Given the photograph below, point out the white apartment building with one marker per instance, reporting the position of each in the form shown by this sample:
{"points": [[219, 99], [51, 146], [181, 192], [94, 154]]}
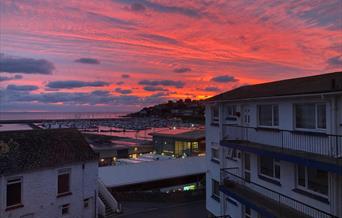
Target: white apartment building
{"points": [[47, 174], [275, 149]]}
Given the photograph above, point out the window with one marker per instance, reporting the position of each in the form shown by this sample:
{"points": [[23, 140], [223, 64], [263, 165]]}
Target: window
{"points": [[230, 113], [232, 153], [13, 192], [247, 167], [312, 180], [310, 116], [268, 115], [195, 147], [65, 209], [269, 167], [215, 190], [247, 212], [63, 182], [215, 154], [214, 114], [86, 202]]}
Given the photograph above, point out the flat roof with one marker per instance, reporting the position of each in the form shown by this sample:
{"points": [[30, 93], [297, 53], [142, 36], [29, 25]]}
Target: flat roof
{"points": [[14, 127], [182, 133]]}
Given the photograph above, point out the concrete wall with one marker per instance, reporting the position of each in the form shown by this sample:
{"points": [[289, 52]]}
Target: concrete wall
{"points": [[39, 191], [121, 175]]}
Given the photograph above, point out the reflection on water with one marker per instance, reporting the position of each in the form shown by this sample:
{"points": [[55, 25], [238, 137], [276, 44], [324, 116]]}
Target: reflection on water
{"points": [[58, 115]]}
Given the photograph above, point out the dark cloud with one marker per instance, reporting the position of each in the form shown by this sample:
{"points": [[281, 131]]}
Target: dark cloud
{"points": [[224, 79], [158, 38], [70, 98], [7, 78], [156, 98], [325, 15], [88, 61], [125, 76], [112, 21], [154, 89], [335, 61], [177, 84], [123, 91], [211, 89], [137, 7], [156, 6], [9, 98], [22, 87], [120, 83], [182, 70], [25, 65], [70, 84]]}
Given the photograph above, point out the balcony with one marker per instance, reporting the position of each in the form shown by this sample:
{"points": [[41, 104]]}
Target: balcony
{"points": [[266, 202], [319, 150]]}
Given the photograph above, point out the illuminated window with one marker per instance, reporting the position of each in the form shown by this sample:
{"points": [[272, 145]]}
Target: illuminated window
{"points": [[195, 147]]}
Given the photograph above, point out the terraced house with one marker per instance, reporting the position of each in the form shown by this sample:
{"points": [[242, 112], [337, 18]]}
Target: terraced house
{"points": [[275, 149], [47, 173]]}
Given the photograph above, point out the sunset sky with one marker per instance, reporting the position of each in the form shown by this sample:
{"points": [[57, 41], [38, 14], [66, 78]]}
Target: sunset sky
{"points": [[122, 55]]}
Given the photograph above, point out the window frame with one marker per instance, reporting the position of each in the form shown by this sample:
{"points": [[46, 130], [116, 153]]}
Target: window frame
{"points": [[232, 154], [86, 202], [247, 214], [216, 159], [230, 113], [273, 120], [65, 206], [14, 180], [306, 187], [276, 163], [63, 172], [316, 128], [214, 119], [214, 195]]}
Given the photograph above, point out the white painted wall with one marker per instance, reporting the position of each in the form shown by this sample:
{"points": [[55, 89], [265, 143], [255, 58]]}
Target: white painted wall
{"points": [[39, 191], [286, 122], [213, 171], [114, 176]]}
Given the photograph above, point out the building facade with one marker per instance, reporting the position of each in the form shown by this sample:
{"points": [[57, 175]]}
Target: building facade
{"points": [[275, 149], [179, 142], [47, 173]]}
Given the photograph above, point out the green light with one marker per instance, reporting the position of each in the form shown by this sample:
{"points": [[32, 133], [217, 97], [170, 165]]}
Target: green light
{"points": [[189, 188]]}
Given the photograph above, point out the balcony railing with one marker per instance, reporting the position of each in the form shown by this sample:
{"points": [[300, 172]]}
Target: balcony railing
{"points": [[312, 142], [232, 175]]}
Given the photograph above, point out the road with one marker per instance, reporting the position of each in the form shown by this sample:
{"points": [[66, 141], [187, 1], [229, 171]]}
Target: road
{"points": [[164, 210]]}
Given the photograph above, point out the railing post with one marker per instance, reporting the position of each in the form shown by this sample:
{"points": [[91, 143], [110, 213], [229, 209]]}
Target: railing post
{"points": [[282, 140], [336, 146]]}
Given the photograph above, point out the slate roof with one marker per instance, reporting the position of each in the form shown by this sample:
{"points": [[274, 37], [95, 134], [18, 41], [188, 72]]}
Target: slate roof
{"points": [[191, 135], [324, 83], [34, 149]]}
